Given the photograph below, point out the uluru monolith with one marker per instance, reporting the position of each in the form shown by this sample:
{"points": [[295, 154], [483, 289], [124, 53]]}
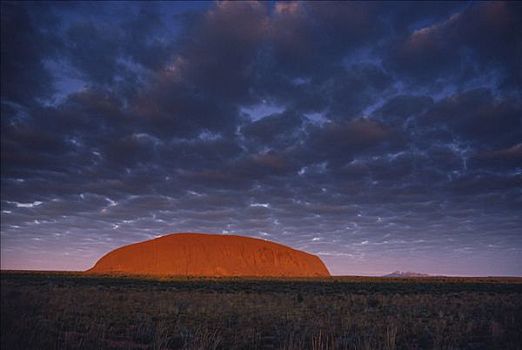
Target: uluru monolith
{"points": [[209, 255]]}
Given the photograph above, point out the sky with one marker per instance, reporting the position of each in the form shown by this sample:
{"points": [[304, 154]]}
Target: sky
{"points": [[380, 136]]}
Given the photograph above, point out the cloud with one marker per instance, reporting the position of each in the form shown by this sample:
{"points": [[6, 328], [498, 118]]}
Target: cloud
{"points": [[512, 152], [24, 49], [465, 44], [278, 130], [339, 142], [397, 125], [504, 158], [477, 116]]}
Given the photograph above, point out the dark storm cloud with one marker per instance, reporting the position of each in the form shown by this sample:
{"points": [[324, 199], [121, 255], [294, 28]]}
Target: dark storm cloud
{"points": [[477, 116], [478, 38], [118, 52], [374, 134], [25, 45], [337, 143], [278, 129]]}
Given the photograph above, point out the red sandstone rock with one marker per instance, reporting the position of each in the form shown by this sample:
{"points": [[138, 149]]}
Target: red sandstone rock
{"points": [[194, 254]]}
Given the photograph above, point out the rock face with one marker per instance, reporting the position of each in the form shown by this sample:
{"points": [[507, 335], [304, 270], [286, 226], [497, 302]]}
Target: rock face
{"points": [[195, 254], [406, 274]]}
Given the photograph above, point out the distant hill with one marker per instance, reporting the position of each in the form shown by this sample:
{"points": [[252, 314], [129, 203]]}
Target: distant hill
{"points": [[406, 274], [191, 254]]}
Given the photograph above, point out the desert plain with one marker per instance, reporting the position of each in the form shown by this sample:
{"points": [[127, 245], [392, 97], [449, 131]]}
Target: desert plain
{"points": [[58, 310]]}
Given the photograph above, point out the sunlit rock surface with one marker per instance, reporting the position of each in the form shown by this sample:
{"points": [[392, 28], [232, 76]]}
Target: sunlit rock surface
{"points": [[195, 254]]}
